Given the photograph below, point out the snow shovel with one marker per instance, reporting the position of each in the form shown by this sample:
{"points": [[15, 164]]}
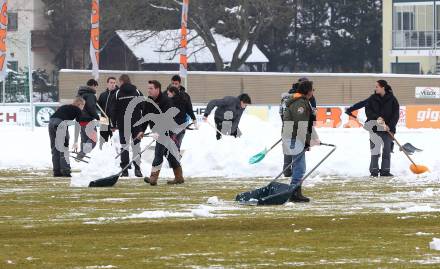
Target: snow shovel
{"points": [[277, 193], [111, 180], [415, 168], [260, 156]]}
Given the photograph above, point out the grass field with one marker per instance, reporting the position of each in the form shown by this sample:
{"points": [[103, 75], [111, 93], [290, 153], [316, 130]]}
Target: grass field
{"points": [[350, 223]]}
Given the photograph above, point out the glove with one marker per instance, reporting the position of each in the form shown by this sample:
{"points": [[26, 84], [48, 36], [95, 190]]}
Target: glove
{"points": [[75, 147]]}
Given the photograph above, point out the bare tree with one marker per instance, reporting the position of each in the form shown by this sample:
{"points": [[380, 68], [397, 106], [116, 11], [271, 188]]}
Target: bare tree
{"points": [[243, 20]]}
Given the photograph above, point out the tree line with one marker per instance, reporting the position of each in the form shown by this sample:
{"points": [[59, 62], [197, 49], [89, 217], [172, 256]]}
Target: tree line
{"points": [[295, 35]]}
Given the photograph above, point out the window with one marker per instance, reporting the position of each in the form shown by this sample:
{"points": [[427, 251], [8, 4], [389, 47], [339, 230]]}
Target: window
{"points": [[12, 21], [405, 21], [405, 68]]}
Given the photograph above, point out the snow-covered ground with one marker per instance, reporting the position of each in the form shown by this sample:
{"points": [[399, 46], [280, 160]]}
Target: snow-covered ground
{"points": [[204, 156]]}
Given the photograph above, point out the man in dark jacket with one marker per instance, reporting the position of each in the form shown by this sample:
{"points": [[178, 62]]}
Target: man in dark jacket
{"points": [[105, 101], [59, 138], [383, 113], [298, 135], [87, 120], [162, 124], [285, 97], [185, 108], [128, 133], [228, 114], [176, 81]]}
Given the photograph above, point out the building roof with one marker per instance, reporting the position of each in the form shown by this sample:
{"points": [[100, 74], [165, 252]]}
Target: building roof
{"points": [[160, 47]]}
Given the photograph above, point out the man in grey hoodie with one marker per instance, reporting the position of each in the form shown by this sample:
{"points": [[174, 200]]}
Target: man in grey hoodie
{"points": [[228, 114]]}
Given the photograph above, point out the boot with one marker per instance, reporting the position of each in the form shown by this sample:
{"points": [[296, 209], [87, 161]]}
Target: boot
{"points": [[297, 196], [124, 173], [137, 172], [386, 174], [178, 176], [152, 180]]}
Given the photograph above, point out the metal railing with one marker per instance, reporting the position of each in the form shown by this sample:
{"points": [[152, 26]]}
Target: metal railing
{"points": [[409, 39]]}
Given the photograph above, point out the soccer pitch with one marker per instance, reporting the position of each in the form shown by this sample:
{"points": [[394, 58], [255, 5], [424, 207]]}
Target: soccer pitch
{"points": [[350, 223]]}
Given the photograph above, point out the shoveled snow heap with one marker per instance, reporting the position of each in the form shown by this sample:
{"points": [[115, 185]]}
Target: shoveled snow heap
{"points": [[435, 244], [204, 156]]}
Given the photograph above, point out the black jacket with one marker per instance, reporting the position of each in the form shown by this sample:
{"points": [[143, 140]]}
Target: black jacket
{"points": [[180, 102], [227, 104], [162, 101], [187, 99], [89, 112], [386, 107], [122, 99], [106, 100], [67, 112]]}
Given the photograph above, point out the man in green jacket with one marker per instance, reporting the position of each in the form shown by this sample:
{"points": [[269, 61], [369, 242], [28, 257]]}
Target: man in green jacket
{"points": [[299, 135]]}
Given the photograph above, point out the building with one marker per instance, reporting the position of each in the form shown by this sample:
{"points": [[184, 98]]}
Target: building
{"points": [[411, 36], [26, 17], [144, 50]]}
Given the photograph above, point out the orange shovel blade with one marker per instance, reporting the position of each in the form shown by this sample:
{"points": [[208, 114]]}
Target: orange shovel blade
{"points": [[418, 169]]}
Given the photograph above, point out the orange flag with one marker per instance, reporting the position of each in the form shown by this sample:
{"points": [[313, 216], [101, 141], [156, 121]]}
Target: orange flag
{"points": [[3, 31], [184, 40], [94, 39]]}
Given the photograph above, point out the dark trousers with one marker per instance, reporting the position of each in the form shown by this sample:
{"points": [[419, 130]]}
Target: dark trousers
{"points": [[88, 142], [383, 143], [219, 126], [287, 163], [159, 152], [106, 133], [179, 139], [125, 155], [60, 159]]}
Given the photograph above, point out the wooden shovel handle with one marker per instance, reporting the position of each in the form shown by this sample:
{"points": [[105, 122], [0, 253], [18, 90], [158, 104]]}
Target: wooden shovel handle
{"points": [[400, 146]]}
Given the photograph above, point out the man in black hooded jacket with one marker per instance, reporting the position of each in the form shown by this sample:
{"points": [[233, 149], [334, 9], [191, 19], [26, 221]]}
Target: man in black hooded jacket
{"points": [[127, 131], [86, 121], [105, 101], [383, 113]]}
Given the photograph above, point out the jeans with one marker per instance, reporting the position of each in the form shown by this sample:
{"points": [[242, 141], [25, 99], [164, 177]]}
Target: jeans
{"points": [[298, 161], [385, 143], [161, 151]]}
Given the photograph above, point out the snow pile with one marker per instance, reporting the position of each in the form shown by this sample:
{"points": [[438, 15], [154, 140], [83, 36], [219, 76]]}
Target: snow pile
{"points": [[204, 156], [101, 164], [435, 244], [214, 201]]}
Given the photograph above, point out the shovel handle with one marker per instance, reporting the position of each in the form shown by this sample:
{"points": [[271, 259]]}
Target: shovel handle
{"points": [[400, 146], [274, 145]]}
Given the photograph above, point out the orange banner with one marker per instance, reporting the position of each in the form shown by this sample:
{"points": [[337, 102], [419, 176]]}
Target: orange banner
{"points": [[94, 39], [3, 31], [184, 40], [423, 116]]}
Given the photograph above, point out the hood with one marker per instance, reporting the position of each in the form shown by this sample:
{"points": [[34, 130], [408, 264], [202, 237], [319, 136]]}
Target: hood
{"points": [[85, 89], [128, 88], [294, 98]]}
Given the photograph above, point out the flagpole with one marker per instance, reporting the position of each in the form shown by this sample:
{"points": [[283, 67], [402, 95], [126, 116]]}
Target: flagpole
{"points": [[183, 70], [31, 89]]}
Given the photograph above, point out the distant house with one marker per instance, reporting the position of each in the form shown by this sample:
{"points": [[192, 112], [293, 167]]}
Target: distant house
{"points": [[132, 50]]}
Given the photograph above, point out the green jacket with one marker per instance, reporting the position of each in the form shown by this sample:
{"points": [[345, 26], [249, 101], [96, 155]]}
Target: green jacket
{"points": [[298, 115]]}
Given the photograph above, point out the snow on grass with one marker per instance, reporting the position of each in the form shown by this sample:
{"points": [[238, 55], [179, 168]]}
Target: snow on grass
{"points": [[435, 244]]}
